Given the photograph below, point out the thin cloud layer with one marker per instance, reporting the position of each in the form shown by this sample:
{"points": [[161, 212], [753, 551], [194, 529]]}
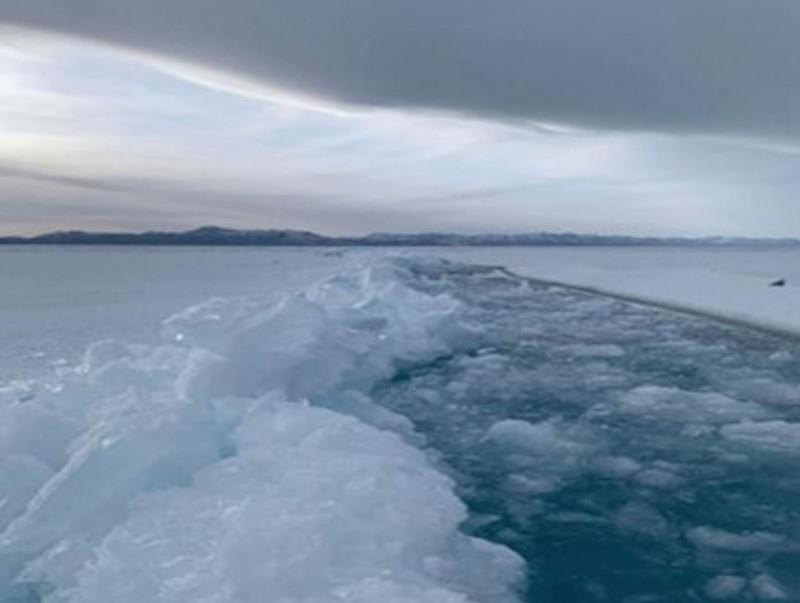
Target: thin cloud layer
{"points": [[706, 66], [97, 137]]}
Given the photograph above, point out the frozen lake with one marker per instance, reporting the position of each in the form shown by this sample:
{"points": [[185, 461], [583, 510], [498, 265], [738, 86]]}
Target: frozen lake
{"points": [[409, 430], [55, 301], [731, 282]]}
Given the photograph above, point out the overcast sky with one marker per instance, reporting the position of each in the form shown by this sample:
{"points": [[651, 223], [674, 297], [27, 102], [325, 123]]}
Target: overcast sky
{"points": [[665, 117]]}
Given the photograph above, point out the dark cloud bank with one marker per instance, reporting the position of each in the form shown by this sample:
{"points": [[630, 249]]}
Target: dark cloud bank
{"points": [[707, 66]]}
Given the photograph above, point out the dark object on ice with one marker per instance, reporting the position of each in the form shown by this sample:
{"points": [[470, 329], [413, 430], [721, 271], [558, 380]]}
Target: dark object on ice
{"points": [[778, 283]]}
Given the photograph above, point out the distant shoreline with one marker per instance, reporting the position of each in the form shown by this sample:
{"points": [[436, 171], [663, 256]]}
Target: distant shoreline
{"points": [[212, 236]]}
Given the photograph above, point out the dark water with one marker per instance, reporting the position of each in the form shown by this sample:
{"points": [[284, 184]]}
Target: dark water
{"points": [[649, 456]]}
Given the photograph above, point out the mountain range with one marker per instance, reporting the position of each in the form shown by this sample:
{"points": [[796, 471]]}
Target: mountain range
{"points": [[214, 235]]}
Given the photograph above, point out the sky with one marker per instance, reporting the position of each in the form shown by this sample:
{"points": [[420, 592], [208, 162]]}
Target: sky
{"points": [[644, 117]]}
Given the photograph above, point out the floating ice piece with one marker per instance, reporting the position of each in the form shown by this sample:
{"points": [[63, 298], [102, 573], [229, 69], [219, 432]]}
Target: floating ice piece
{"points": [[559, 442], [521, 484], [592, 350], [616, 466], [767, 391], [725, 586], [713, 538], [659, 478], [767, 588], [672, 404], [641, 518], [772, 436]]}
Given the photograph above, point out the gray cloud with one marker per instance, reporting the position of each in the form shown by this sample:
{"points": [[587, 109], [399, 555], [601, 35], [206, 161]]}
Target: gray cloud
{"points": [[710, 66], [92, 184]]}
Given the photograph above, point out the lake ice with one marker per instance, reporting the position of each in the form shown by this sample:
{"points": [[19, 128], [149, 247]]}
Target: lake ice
{"points": [[347, 426]]}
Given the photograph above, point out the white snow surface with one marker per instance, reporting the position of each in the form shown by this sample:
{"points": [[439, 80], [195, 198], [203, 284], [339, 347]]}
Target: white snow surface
{"points": [[732, 283], [239, 461]]}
